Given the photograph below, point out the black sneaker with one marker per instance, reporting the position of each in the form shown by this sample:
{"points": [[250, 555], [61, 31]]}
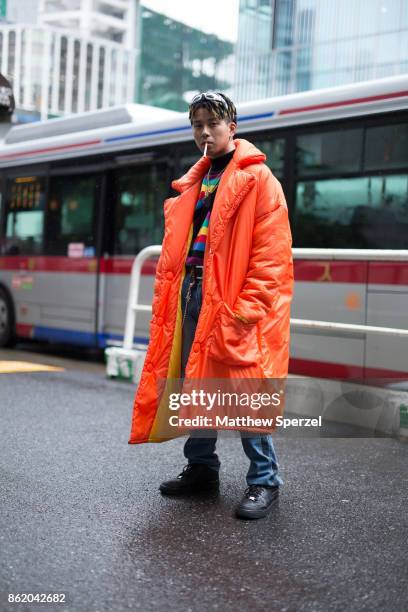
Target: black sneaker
{"points": [[194, 478], [257, 501]]}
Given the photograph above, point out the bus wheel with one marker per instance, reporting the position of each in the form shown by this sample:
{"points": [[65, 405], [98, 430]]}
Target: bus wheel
{"points": [[7, 330]]}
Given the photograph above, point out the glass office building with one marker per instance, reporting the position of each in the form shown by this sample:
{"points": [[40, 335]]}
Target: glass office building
{"points": [[180, 62], [285, 46]]}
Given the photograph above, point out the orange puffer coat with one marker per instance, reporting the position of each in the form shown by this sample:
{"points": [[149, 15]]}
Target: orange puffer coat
{"points": [[248, 269]]}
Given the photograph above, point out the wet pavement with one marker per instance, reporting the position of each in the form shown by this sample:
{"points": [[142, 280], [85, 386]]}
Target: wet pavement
{"points": [[81, 513]]}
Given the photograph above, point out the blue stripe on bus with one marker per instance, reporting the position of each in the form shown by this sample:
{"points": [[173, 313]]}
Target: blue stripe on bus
{"points": [[70, 336], [103, 339], [259, 116], [73, 336], [153, 133], [181, 129]]}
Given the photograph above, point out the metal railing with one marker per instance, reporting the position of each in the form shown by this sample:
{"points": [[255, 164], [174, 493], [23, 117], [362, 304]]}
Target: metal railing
{"points": [[133, 306], [297, 324], [352, 254]]}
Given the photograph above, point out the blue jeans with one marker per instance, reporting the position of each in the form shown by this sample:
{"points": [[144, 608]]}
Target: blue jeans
{"points": [[263, 468]]}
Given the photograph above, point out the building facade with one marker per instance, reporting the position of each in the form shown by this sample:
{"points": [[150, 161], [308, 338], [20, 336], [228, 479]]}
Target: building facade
{"points": [[111, 20], [79, 56], [285, 46]]}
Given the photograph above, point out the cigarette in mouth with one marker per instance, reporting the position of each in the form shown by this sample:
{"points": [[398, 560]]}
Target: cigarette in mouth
{"points": [[205, 149]]}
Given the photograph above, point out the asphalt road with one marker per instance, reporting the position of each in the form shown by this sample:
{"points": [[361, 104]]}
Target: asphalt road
{"points": [[81, 513]]}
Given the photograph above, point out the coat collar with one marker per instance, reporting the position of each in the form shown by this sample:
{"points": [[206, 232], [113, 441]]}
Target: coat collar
{"points": [[245, 154], [232, 189]]}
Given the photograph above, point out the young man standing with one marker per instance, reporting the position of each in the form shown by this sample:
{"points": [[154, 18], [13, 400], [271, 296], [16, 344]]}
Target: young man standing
{"points": [[227, 258]]}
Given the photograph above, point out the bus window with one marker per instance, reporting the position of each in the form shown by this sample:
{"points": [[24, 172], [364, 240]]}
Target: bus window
{"points": [[386, 147], [140, 192], [71, 215], [358, 213], [24, 216], [274, 149], [329, 152]]}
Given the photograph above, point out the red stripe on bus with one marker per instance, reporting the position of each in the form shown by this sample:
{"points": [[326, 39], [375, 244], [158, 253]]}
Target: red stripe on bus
{"points": [[330, 271], [388, 273], [49, 264], [375, 373], [48, 149], [325, 369], [302, 109], [371, 272], [82, 265], [24, 331], [124, 266]]}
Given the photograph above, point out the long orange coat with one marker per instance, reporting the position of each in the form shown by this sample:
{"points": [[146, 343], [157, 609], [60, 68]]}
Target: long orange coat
{"points": [[248, 269]]}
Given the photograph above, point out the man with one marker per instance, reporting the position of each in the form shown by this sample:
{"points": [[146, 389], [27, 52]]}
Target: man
{"points": [[221, 305]]}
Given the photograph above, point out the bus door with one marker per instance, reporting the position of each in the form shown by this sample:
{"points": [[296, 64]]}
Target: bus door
{"points": [[68, 298], [137, 189]]}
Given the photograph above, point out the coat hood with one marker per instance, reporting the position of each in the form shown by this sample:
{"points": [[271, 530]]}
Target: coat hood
{"points": [[245, 154]]}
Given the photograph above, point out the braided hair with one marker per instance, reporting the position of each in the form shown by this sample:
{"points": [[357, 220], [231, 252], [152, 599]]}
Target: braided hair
{"points": [[216, 108]]}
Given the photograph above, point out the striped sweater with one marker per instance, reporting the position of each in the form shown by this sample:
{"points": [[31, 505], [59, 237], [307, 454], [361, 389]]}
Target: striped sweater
{"points": [[203, 209]]}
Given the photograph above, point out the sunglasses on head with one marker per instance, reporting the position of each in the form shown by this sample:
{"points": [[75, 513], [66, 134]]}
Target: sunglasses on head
{"points": [[209, 95]]}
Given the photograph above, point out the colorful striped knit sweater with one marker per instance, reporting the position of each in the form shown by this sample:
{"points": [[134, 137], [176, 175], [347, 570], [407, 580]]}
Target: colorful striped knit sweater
{"points": [[203, 209]]}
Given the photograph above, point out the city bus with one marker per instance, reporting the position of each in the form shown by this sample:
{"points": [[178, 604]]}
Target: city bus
{"points": [[81, 196]]}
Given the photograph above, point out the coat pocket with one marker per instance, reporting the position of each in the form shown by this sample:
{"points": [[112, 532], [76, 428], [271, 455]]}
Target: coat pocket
{"points": [[233, 342]]}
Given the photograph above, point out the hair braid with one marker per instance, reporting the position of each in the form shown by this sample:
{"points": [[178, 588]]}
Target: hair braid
{"points": [[215, 107]]}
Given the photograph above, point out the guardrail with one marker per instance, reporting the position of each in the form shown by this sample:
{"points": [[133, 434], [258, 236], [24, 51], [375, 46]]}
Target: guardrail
{"points": [[354, 254], [133, 306], [302, 253]]}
